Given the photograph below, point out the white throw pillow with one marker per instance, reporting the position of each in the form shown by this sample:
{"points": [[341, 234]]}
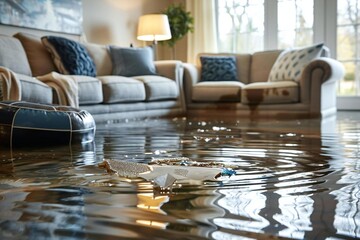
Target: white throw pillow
{"points": [[290, 63]]}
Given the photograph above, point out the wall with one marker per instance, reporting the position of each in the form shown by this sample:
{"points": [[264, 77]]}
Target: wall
{"points": [[10, 30], [114, 22]]}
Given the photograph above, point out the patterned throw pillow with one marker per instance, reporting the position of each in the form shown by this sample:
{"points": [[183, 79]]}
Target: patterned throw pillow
{"points": [[130, 62], [70, 57], [290, 63], [218, 68]]}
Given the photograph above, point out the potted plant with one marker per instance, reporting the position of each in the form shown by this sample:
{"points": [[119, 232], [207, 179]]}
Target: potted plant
{"points": [[181, 22]]}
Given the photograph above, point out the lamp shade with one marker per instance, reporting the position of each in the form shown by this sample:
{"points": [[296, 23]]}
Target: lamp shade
{"points": [[154, 27]]}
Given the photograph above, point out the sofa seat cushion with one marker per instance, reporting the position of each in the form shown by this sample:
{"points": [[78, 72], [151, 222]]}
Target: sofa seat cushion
{"points": [[33, 90], [159, 88], [90, 89], [121, 89], [270, 92], [223, 91]]}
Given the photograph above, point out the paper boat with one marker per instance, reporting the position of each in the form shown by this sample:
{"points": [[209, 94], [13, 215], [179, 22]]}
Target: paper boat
{"points": [[164, 175]]}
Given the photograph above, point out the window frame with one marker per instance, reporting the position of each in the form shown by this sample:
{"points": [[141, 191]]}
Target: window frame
{"points": [[324, 30]]}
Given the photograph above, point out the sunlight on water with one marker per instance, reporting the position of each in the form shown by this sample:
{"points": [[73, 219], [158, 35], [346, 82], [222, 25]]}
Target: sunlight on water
{"points": [[294, 179]]}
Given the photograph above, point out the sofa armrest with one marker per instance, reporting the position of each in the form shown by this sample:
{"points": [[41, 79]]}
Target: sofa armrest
{"points": [[191, 73], [174, 70], [331, 70], [191, 77], [318, 83], [170, 69]]}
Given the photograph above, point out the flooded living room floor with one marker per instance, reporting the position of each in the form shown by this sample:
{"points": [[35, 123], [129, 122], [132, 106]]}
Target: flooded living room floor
{"points": [[295, 179]]}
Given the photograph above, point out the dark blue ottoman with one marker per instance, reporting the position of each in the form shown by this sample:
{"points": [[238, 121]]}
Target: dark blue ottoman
{"points": [[24, 123]]}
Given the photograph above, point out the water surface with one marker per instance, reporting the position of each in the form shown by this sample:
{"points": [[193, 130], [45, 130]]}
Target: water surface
{"points": [[295, 179]]}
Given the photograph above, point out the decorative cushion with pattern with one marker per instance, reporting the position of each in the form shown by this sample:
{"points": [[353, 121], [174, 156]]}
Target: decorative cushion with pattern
{"points": [[70, 57], [131, 62], [218, 68], [290, 63]]}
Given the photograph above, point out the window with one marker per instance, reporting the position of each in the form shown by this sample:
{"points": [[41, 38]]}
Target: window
{"points": [[295, 23], [247, 26], [348, 45], [240, 25]]}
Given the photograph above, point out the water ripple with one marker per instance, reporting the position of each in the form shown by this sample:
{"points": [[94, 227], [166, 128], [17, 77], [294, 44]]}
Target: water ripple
{"points": [[294, 179]]}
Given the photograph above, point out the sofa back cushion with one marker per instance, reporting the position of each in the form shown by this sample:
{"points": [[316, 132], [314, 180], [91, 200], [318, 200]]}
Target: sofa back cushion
{"points": [[243, 62], [261, 64], [13, 56], [101, 57], [39, 58]]}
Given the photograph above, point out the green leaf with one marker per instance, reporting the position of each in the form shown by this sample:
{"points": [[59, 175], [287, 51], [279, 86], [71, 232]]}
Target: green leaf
{"points": [[181, 22]]}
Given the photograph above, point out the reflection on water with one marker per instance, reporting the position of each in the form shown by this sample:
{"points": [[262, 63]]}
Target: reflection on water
{"points": [[295, 179]]}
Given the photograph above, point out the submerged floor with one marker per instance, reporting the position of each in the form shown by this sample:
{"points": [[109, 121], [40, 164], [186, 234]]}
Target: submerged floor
{"points": [[297, 179]]}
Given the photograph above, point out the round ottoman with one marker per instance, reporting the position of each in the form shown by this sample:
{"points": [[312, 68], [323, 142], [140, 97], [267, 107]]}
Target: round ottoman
{"points": [[24, 123]]}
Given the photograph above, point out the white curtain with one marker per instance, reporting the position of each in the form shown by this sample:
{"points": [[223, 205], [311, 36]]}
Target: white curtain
{"points": [[203, 39]]}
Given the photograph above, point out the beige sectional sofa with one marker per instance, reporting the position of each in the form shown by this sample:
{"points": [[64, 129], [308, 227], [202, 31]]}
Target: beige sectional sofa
{"points": [[255, 94], [29, 72]]}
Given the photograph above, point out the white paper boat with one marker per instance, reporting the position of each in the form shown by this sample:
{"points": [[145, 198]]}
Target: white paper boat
{"points": [[162, 175]]}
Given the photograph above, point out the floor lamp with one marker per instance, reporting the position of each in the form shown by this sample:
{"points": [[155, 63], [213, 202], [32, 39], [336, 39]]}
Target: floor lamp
{"points": [[154, 27]]}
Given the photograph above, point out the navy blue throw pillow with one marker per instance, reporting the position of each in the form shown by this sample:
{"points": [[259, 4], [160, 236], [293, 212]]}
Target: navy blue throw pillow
{"points": [[70, 57], [131, 61], [218, 68]]}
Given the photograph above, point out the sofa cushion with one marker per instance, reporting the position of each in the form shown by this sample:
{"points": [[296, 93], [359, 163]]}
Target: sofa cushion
{"points": [[33, 90], [243, 63], [218, 68], [229, 91], [90, 90], [290, 63], [122, 89], [261, 64], [270, 92], [130, 62], [39, 58], [13, 56], [70, 57], [159, 88], [101, 57]]}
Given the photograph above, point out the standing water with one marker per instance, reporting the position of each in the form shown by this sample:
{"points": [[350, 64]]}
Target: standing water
{"points": [[295, 179]]}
